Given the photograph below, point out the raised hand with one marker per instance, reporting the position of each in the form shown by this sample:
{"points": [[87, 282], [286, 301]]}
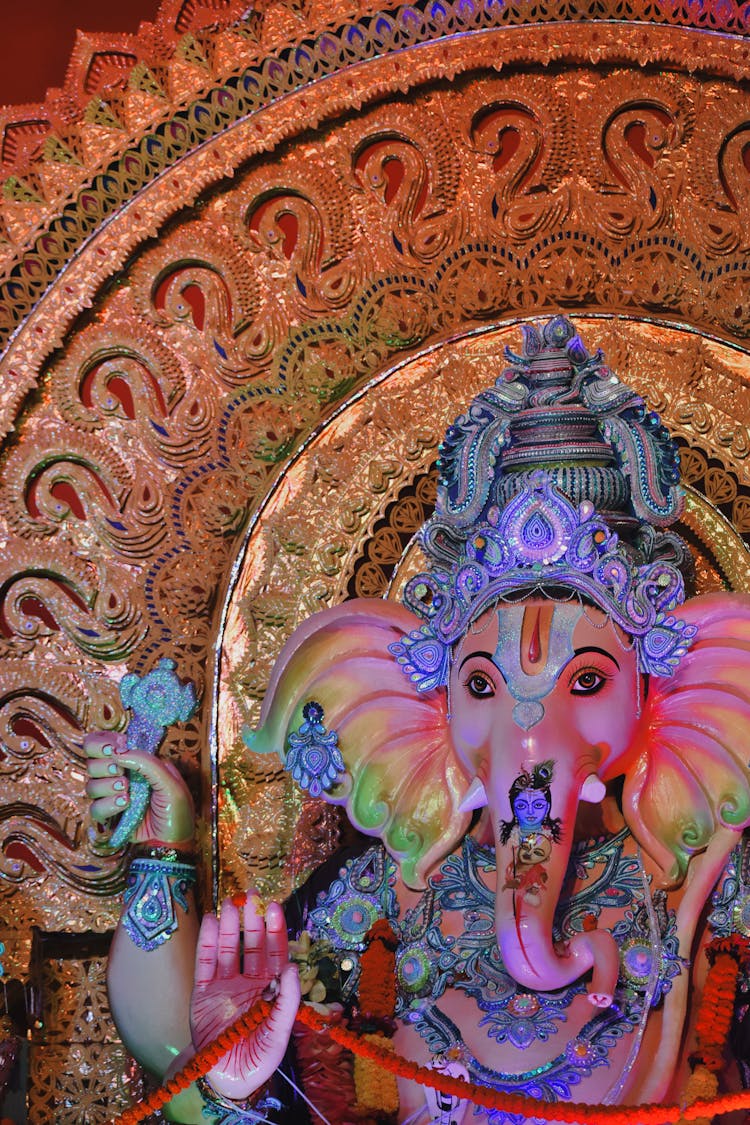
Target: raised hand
{"points": [[224, 989], [169, 818]]}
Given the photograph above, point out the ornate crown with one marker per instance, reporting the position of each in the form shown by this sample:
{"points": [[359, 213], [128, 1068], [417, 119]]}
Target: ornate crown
{"points": [[556, 479]]}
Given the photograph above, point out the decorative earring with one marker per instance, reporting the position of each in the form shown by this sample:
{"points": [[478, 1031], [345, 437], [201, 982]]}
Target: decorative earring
{"points": [[313, 757]]}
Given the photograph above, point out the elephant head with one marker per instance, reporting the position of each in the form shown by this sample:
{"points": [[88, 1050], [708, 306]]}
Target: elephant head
{"points": [[546, 706], [546, 650]]}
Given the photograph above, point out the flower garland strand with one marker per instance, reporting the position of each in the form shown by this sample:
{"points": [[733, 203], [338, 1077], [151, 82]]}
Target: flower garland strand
{"points": [[200, 1064], [377, 1091], [571, 1113], [725, 956]]}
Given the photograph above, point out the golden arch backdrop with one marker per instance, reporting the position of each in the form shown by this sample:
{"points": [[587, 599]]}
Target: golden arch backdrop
{"points": [[253, 264]]}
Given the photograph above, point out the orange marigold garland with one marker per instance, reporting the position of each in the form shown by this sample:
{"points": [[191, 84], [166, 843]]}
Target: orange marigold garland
{"points": [[376, 1089], [569, 1112], [714, 1015], [726, 957], [199, 1065]]}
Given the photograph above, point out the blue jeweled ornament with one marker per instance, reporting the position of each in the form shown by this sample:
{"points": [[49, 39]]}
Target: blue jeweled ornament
{"points": [[430, 961], [156, 700], [730, 905], [313, 757], [152, 889], [541, 539], [556, 478]]}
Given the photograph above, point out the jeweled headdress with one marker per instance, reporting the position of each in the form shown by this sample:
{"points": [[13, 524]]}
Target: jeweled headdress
{"points": [[558, 478]]}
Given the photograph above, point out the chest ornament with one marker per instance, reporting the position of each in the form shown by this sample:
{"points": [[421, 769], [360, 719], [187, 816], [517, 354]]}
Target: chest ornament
{"points": [[447, 941]]}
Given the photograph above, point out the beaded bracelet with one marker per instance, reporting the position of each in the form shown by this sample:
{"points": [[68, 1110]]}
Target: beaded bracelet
{"points": [[230, 1112]]}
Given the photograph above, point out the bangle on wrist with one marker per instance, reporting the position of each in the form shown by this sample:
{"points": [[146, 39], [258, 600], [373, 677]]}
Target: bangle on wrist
{"points": [[249, 1110], [154, 885], [170, 852]]}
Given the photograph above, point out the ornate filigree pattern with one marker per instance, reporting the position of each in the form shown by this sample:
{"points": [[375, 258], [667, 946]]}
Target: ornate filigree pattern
{"points": [[78, 1072], [658, 162], [196, 285]]}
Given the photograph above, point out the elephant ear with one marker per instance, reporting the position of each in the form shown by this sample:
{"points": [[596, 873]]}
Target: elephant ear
{"points": [[690, 776], [404, 782]]}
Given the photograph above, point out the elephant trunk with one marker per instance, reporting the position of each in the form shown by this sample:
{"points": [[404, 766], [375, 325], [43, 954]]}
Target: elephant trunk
{"points": [[532, 860]]}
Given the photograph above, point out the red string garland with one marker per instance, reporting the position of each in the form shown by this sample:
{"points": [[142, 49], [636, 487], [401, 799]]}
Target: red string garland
{"points": [[725, 956]]}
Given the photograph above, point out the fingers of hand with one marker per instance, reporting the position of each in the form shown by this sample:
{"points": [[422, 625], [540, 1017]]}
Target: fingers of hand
{"points": [[108, 787], [288, 1000], [103, 767], [110, 795], [254, 964], [275, 1031], [111, 748], [104, 744], [228, 956], [277, 945], [206, 952], [163, 778]]}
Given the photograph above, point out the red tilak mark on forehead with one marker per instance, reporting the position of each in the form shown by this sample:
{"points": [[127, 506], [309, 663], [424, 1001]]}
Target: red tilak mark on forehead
{"points": [[534, 654]]}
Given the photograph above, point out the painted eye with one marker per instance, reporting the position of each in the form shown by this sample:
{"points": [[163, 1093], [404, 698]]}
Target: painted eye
{"points": [[480, 686], [588, 682]]}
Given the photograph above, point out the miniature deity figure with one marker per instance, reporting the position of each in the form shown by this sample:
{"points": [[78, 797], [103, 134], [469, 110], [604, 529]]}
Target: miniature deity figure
{"points": [[545, 751]]}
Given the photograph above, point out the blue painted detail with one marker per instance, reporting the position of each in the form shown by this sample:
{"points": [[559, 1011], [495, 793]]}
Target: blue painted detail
{"points": [[156, 700]]}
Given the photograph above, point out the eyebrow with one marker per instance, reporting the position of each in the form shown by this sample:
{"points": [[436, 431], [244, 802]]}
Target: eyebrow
{"points": [[480, 652], [601, 651]]}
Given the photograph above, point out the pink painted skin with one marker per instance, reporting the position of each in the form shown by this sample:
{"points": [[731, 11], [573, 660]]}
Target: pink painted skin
{"points": [[578, 735], [411, 769], [227, 985], [169, 818]]}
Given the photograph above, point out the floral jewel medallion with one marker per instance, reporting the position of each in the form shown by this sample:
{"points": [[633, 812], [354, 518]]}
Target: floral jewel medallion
{"points": [[523, 1005], [636, 960]]}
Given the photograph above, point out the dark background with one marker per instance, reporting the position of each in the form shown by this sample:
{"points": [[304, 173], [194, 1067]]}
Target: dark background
{"points": [[37, 39]]}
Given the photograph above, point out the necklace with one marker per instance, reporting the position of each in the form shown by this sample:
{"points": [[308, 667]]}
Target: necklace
{"points": [[602, 875]]}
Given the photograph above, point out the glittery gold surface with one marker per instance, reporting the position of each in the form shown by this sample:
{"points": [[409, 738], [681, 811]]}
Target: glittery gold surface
{"points": [[257, 338], [79, 1074]]}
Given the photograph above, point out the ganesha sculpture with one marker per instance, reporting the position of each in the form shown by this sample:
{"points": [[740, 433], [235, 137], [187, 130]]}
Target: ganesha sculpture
{"points": [[545, 751]]}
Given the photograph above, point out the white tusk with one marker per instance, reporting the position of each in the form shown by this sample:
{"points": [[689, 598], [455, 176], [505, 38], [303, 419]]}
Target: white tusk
{"points": [[593, 789], [475, 797]]}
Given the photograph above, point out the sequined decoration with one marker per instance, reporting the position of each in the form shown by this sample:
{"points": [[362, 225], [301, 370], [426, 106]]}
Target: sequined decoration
{"points": [[154, 886], [156, 700], [428, 961], [503, 523], [158, 387], [313, 757]]}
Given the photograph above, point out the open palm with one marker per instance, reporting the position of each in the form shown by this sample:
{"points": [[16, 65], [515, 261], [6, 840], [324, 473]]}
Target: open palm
{"points": [[227, 985]]}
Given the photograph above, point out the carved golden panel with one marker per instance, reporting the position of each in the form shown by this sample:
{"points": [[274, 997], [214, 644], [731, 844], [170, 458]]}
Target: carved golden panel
{"points": [[246, 289], [79, 1074]]}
